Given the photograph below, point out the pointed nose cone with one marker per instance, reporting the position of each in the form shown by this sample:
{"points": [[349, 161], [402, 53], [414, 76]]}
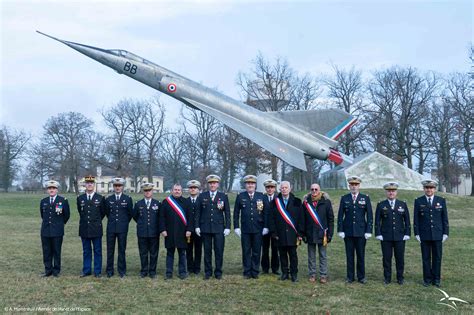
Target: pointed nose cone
{"points": [[103, 56]]}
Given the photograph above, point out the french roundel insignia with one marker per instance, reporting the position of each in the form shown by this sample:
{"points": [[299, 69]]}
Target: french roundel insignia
{"points": [[171, 88]]}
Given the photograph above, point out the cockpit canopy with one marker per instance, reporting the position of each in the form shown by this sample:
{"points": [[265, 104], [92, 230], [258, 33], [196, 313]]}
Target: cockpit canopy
{"points": [[129, 55]]}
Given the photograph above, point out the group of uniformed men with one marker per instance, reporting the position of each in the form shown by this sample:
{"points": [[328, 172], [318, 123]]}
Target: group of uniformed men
{"points": [[265, 223]]}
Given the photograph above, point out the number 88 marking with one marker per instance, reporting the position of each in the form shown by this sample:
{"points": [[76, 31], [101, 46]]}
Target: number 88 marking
{"points": [[129, 67]]}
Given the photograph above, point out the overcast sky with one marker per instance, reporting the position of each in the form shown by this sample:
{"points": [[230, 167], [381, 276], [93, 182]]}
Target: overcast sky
{"points": [[210, 42]]}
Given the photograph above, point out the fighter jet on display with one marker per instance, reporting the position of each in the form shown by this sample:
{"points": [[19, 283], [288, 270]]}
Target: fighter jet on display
{"points": [[290, 135]]}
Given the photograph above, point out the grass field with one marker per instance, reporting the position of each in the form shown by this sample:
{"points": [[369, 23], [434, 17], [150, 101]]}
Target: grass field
{"points": [[21, 264]]}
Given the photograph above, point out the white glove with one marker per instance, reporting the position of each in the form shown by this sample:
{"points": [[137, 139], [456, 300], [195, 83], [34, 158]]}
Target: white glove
{"points": [[198, 231], [406, 237], [379, 237], [237, 231], [445, 237], [265, 231], [341, 234], [418, 238], [367, 235], [226, 232]]}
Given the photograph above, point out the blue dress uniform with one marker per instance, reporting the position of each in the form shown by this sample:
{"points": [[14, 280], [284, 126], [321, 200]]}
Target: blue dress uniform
{"points": [[176, 230], [119, 213], [212, 217], [269, 242], [194, 250], [392, 224], [250, 216], [54, 216], [430, 222], [287, 238], [91, 212], [355, 218], [146, 214]]}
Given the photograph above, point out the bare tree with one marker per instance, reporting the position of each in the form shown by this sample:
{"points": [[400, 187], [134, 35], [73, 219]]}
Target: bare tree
{"points": [[172, 164], [400, 97], [346, 90], [66, 133], [12, 147], [460, 96], [227, 151]]}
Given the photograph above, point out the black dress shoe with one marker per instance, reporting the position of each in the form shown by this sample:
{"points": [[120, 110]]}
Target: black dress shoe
{"points": [[109, 275], [219, 277], [386, 282], [349, 280], [255, 276], [55, 275], [98, 275], [168, 277], [206, 277], [437, 284], [45, 275], [153, 276], [426, 284], [246, 277], [294, 278], [265, 272], [276, 273], [401, 282], [122, 276], [182, 277], [362, 281], [84, 275], [284, 277]]}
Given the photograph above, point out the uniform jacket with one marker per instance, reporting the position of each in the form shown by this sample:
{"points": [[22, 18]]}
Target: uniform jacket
{"points": [[91, 214], [119, 213], [430, 222], [278, 226], [313, 232], [394, 223], [172, 223], [250, 214], [54, 216], [147, 218], [355, 219], [212, 216]]}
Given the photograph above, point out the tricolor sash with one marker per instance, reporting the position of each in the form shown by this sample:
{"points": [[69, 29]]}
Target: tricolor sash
{"points": [[314, 215], [285, 215], [177, 208]]}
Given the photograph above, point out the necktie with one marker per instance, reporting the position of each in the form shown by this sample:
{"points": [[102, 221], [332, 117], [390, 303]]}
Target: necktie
{"points": [[148, 203], [117, 197], [391, 204], [51, 200], [285, 201], [270, 198], [251, 196], [89, 197], [354, 197], [193, 200], [212, 196], [429, 201]]}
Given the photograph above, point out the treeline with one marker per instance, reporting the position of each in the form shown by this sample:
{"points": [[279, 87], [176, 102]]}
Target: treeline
{"points": [[419, 118]]}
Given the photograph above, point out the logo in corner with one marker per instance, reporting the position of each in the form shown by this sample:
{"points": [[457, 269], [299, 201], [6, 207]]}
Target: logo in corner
{"points": [[450, 301]]}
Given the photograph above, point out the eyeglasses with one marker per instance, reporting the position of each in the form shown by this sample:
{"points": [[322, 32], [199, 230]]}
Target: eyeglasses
{"points": [[314, 189]]}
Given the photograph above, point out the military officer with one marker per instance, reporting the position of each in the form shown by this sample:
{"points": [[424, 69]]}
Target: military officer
{"points": [[194, 250], [354, 225], [54, 211], [392, 228], [119, 211], [431, 228], [267, 241], [250, 223], [318, 230], [91, 207], [286, 223], [176, 224], [213, 224], [146, 214]]}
